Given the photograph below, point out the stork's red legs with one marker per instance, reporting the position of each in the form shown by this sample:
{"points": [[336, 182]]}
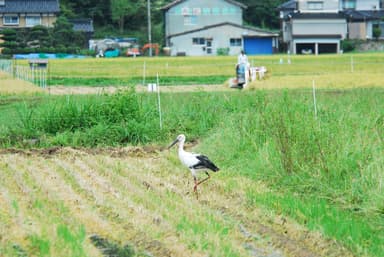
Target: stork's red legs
{"points": [[198, 183]]}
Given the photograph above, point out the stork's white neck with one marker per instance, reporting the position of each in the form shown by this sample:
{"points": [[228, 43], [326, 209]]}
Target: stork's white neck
{"points": [[181, 146]]}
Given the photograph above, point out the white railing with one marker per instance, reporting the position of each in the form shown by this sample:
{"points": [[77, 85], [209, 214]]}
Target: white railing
{"points": [[35, 75], [6, 66]]}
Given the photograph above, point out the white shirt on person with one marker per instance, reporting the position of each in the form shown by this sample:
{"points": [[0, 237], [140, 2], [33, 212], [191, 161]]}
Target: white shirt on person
{"points": [[242, 59]]}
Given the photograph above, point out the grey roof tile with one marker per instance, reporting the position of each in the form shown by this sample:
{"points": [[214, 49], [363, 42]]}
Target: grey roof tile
{"points": [[171, 4], [85, 25], [30, 6]]}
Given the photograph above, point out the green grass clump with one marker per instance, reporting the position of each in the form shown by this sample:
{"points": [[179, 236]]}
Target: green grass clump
{"points": [[118, 119], [332, 161], [94, 120]]}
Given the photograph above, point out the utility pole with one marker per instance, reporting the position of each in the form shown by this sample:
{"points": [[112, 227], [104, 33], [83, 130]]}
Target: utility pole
{"points": [[149, 26]]}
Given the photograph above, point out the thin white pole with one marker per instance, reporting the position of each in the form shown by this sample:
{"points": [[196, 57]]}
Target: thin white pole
{"points": [[314, 97], [158, 101], [144, 73]]}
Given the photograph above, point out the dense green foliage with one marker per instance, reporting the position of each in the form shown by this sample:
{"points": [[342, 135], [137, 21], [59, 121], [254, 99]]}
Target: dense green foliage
{"points": [[40, 39]]}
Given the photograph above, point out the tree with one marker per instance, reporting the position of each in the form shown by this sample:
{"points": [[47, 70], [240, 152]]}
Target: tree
{"points": [[376, 32], [9, 38], [262, 13], [65, 36], [40, 36], [121, 9]]}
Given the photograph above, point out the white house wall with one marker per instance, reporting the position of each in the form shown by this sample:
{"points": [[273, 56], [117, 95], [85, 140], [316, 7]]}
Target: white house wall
{"points": [[319, 27], [328, 6], [367, 4], [176, 17], [220, 39]]}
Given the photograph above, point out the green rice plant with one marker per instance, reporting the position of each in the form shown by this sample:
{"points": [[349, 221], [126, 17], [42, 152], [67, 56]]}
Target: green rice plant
{"points": [[205, 235], [346, 227], [40, 246], [72, 241], [15, 207]]}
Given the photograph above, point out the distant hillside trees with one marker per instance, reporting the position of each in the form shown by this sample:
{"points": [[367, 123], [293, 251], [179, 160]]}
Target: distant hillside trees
{"points": [[129, 17]]}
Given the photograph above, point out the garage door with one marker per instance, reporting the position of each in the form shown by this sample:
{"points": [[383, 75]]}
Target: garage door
{"points": [[254, 45]]}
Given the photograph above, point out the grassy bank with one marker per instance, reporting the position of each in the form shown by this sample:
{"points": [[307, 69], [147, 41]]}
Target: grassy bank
{"points": [[324, 169]]}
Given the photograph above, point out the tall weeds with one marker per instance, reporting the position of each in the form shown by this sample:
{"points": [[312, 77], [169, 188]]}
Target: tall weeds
{"points": [[333, 159]]}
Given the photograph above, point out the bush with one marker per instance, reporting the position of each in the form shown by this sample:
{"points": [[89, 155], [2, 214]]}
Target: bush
{"points": [[376, 33], [223, 51], [6, 51], [348, 45]]}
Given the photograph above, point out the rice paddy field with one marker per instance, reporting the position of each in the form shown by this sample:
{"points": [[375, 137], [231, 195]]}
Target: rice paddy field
{"points": [[329, 71], [84, 168]]}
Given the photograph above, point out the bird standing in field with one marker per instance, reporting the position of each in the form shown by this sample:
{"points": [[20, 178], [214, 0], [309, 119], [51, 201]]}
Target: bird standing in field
{"points": [[194, 161]]}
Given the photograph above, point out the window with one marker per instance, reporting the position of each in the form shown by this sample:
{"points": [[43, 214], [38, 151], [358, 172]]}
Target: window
{"points": [[2, 2], [185, 11], [315, 5], [216, 11], [232, 10], [349, 4], [190, 20], [235, 42], [225, 11], [206, 11], [31, 21], [11, 20], [177, 11], [198, 41], [196, 11]]}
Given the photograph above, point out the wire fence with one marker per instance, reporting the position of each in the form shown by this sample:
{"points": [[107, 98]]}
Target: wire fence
{"points": [[33, 74]]}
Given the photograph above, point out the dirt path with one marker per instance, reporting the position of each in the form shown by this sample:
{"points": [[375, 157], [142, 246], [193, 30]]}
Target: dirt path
{"points": [[140, 197]]}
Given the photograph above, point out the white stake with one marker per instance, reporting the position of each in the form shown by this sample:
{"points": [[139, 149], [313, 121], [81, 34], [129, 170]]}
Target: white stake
{"points": [[144, 73], [158, 101], [314, 97]]}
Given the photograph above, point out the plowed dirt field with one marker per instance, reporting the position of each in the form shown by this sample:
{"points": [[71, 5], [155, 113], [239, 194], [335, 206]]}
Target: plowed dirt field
{"points": [[141, 197]]}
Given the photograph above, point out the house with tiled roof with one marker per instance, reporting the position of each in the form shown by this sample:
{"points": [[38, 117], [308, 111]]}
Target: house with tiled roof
{"points": [[319, 26], [203, 28], [28, 13]]}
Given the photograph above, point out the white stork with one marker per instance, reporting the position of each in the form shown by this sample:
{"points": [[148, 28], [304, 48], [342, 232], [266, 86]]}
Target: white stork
{"points": [[194, 161]]}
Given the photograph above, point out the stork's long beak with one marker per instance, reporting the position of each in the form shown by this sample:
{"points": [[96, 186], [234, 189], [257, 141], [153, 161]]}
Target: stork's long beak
{"points": [[173, 143]]}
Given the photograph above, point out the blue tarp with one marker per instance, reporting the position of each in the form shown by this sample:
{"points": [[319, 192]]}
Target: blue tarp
{"points": [[112, 53], [47, 56]]}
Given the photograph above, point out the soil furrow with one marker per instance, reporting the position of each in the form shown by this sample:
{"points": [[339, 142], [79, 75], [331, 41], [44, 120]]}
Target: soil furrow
{"points": [[143, 197]]}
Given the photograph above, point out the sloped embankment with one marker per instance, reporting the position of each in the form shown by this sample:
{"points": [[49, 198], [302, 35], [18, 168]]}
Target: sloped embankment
{"points": [[137, 202]]}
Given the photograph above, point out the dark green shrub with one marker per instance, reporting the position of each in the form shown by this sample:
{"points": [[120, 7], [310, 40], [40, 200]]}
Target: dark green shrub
{"points": [[376, 32], [223, 51], [7, 51], [348, 45]]}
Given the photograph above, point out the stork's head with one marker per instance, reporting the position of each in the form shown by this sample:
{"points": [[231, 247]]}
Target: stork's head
{"points": [[180, 138]]}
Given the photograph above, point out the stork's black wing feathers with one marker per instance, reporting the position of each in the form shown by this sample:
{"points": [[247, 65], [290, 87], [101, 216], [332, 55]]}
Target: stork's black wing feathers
{"points": [[205, 163]]}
